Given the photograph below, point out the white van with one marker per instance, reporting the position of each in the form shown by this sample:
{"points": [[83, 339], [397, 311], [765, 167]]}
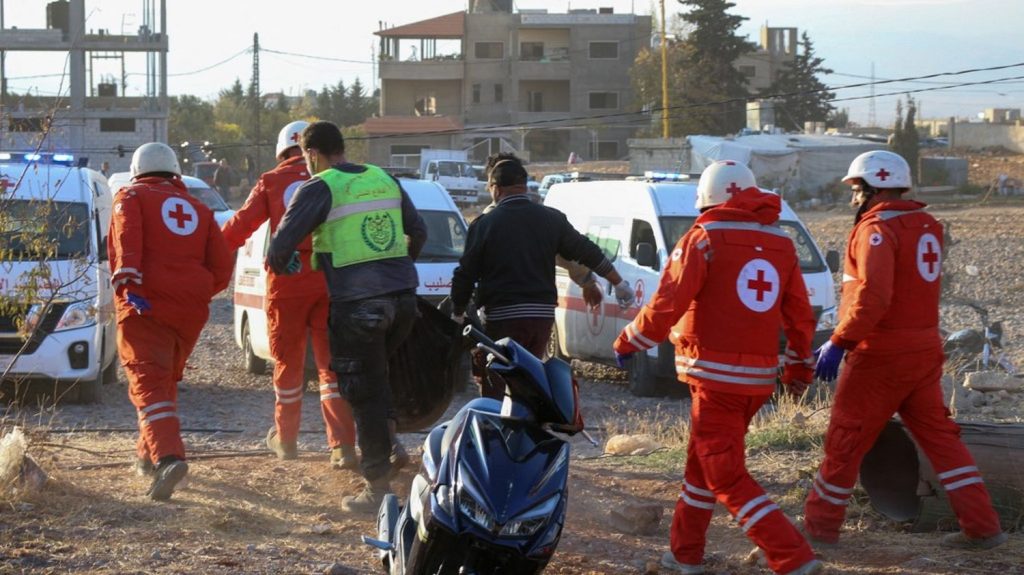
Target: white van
{"points": [[53, 234], [197, 188], [446, 239], [637, 223]]}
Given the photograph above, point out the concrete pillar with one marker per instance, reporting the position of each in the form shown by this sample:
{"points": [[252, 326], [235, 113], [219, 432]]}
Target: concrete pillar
{"points": [[76, 68], [952, 132]]}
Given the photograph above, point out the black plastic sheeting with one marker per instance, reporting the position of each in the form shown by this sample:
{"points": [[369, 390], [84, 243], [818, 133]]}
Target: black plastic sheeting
{"points": [[424, 371]]}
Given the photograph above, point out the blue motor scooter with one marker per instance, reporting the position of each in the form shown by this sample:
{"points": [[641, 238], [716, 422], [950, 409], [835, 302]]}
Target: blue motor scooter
{"points": [[492, 493]]}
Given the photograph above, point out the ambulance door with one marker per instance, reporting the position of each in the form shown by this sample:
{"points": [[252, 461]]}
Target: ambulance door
{"points": [[641, 266], [591, 331], [250, 292]]}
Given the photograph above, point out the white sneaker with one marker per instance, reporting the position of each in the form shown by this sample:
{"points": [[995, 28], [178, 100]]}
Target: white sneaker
{"points": [[668, 560]]}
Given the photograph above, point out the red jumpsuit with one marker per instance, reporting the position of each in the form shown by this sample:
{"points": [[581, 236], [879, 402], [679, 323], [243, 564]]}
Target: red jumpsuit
{"points": [[295, 304], [734, 279], [889, 324], [166, 247]]}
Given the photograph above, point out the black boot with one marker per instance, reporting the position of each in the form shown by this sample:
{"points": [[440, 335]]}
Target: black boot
{"points": [[169, 472]]}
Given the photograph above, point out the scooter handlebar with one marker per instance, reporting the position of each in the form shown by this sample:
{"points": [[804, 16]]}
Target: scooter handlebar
{"points": [[485, 343]]}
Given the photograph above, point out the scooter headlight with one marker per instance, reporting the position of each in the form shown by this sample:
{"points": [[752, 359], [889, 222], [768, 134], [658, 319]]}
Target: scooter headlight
{"points": [[526, 524], [828, 319], [475, 511]]}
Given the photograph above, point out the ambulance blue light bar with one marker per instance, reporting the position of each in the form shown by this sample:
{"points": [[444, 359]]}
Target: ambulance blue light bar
{"points": [[60, 159], [653, 176]]}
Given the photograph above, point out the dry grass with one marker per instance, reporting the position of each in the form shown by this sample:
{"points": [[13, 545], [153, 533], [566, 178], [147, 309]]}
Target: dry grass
{"points": [[792, 424]]}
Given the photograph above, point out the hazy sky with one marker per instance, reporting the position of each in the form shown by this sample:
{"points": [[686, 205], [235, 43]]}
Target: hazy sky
{"points": [[900, 37]]}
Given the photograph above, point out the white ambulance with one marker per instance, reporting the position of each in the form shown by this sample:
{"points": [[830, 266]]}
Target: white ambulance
{"points": [[637, 223], [57, 322], [446, 239]]}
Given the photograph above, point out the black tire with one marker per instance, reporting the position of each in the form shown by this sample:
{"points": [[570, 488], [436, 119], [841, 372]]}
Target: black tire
{"points": [[554, 349], [253, 364], [88, 391], [643, 381]]}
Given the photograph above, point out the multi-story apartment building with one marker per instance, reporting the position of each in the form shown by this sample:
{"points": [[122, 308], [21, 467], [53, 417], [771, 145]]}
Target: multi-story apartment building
{"points": [[542, 84], [778, 47], [94, 119]]}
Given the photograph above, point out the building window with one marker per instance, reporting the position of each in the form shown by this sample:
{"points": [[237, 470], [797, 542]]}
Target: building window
{"points": [[25, 125], [476, 93], [533, 51], [117, 124], [426, 105], [535, 101], [604, 150], [499, 93], [748, 71], [604, 50], [489, 50], [604, 100]]}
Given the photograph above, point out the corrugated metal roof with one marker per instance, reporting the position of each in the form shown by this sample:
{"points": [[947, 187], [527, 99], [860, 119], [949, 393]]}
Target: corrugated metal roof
{"points": [[447, 26], [410, 124]]}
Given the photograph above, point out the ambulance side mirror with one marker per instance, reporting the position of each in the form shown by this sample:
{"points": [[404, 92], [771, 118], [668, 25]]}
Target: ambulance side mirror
{"points": [[645, 255], [832, 259]]}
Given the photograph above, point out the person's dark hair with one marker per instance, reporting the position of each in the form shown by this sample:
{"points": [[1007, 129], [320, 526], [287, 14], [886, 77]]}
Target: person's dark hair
{"points": [[324, 137], [505, 169]]}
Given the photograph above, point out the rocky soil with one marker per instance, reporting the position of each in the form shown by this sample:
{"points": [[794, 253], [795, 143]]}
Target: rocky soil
{"points": [[244, 511]]}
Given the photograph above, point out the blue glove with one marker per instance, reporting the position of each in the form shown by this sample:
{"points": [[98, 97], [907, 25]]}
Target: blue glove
{"points": [[294, 265], [828, 356], [138, 302], [622, 359]]}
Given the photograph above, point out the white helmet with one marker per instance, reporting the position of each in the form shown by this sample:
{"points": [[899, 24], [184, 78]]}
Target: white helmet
{"points": [[154, 157], [880, 169], [720, 180], [290, 135]]}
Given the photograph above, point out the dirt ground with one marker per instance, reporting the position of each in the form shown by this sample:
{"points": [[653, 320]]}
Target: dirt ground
{"points": [[244, 511]]}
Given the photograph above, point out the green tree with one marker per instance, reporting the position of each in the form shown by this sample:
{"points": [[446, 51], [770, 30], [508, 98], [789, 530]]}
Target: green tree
{"points": [[810, 99], [189, 119], [905, 139], [839, 118], [708, 73]]}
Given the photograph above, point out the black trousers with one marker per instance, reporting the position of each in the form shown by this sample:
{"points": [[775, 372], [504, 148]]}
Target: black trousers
{"points": [[364, 334]]}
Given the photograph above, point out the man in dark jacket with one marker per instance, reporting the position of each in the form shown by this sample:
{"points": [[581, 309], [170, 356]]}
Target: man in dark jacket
{"points": [[366, 236], [510, 260]]}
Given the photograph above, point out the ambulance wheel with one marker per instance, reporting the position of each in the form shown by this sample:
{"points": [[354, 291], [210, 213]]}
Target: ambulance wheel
{"points": [[254, 365], [554, 349], [643, 382]]}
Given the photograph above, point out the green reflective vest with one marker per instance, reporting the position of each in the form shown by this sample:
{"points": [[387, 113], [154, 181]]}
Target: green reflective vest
{"points": [[365, 222]]}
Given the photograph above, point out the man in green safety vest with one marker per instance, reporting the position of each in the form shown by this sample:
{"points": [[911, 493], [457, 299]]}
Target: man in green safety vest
{"points": [[366, 235]]}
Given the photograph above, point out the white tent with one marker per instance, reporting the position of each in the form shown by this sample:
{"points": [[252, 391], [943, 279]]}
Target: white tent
{"points": [[788, 163]]}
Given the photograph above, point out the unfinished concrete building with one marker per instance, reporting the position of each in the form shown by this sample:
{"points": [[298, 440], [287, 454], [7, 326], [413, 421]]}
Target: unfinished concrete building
{"points": [[537, 83], [93, 118]]}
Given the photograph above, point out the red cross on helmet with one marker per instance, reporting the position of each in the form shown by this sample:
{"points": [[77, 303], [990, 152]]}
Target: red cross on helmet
{"points": [[289, 136], [880, 169], [720, 181]]}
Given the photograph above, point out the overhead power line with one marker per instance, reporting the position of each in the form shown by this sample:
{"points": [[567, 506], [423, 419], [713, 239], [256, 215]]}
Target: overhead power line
{"points": [[241, 52]]}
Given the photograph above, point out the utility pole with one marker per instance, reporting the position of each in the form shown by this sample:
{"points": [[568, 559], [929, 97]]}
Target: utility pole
{"points": [[664, 77], [256, 104]]}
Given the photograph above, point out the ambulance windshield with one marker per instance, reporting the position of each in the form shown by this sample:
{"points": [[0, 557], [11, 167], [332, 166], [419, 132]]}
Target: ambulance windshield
{"points": [[446, 237], [38, 229]]}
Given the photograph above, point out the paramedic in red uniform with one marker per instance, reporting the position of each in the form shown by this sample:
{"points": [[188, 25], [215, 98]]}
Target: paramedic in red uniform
{"points": [[734, 279], [889, 332], [167, 260], [296, 303]]}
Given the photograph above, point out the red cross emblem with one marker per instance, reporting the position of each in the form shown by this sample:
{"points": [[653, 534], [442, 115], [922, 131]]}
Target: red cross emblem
{"points": [[180, 215], [757, 285], [929, 258], [295, 137], [733, 188], [882, 174], [760, 285]]}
